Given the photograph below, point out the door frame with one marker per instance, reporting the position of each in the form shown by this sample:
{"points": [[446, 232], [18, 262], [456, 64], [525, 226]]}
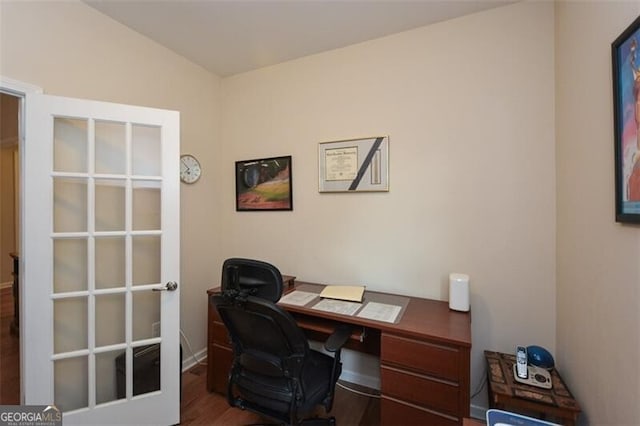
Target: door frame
{"points": [[20, 90]]}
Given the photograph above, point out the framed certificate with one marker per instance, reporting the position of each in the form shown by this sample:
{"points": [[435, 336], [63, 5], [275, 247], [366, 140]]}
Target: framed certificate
{"points": [[354, 165]]}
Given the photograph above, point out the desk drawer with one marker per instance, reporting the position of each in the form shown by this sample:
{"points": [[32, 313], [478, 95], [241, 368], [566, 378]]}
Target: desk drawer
{"points": [[421, 356], [393, 413], [220, 334], [219, 364], [422, 390]]}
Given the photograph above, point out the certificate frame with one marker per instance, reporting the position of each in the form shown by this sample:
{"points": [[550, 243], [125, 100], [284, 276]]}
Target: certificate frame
{"points": [[264, 184], [354, 165], [625, 54]]}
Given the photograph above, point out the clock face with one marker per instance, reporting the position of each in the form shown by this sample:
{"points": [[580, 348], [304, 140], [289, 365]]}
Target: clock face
{"points": [[189, 169]]}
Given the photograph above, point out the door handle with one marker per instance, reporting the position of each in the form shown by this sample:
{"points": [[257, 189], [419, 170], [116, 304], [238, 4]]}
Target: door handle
{"points": [[170, 286]]}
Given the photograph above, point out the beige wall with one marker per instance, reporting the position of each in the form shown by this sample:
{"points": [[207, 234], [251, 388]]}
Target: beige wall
{"points": [[69, 49], [598, 338], [468, 107]]}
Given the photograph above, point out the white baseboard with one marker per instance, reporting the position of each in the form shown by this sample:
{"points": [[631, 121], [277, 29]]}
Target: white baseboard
{"points": [[189, 361], [478, 412], [6, 285]]}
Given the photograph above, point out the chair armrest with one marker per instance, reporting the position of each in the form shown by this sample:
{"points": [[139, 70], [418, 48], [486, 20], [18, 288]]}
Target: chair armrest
{"points": [[338, 338]]}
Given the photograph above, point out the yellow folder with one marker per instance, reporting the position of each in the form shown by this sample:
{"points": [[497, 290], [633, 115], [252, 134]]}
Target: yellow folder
{"points": [[352, 293]]}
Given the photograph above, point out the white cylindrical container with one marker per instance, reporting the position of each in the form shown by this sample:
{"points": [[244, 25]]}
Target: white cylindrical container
{"points": [[459, 292]]}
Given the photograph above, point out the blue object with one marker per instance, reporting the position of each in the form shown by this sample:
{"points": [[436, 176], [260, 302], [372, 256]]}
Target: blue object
{"points": [[540, 357], [501, 417]]}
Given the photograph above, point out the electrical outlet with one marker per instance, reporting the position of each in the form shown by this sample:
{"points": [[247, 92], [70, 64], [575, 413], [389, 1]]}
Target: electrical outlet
{"points": [[155, 329]]}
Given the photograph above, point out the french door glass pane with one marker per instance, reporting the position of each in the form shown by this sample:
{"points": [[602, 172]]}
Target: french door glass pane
{"points": [[110, 205], [69, 324], [70, 145], [146, 150], [69, 264], [146, 313], [69, 205], [70, 377], [110, 147], [146, 205], [110, 319], [146, 369], [110, 376], [110, 262], [146, 260]]}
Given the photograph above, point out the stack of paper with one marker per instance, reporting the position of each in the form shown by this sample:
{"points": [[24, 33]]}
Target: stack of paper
{"points": [[298, 298], [380, 312], [352, 293]]}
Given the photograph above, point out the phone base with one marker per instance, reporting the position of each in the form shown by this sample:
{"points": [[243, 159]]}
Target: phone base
{"points": [[538, 377]]}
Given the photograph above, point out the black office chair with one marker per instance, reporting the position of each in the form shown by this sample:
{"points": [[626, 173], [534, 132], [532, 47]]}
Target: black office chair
{"points": [[274, 372]]}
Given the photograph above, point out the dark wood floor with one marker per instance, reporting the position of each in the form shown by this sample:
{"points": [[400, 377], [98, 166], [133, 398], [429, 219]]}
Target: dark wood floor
{"points": [[9, 353], [198, 406]]}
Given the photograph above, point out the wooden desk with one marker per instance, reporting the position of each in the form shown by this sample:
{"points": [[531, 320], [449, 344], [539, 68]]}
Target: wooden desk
{"points": [[508, 394], [424, 357]]}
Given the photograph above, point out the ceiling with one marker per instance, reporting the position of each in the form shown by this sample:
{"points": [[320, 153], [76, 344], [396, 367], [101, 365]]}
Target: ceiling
{"points": [[233, 36]]}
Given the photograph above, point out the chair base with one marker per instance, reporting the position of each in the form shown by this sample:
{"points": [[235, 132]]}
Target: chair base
{"points": [[316, 421], [319, 421]]}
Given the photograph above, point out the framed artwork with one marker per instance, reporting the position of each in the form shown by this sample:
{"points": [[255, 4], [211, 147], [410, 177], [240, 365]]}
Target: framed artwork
{"points": [[264, 184], [354, 165], [626, 111]]}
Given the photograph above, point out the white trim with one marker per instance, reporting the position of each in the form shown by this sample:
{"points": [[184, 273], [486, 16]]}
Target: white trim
{"points": [[478, 412], [21, 90], [192, 360], [18, 88]]}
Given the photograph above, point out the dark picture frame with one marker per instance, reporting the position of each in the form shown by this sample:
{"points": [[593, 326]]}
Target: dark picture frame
{"points": [[264, 184], [625, 53]]}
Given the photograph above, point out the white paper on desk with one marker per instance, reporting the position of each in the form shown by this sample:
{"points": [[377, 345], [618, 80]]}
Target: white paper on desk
{"points": [[380, 312], [298, 298], [337, 306]]}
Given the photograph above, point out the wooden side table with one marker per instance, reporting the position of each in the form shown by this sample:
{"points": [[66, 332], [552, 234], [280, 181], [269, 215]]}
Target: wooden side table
{"points": [[508, 394]]}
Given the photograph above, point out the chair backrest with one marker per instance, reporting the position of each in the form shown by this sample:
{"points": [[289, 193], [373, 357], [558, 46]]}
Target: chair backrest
{"points": [[259, 279], [266, 338]]}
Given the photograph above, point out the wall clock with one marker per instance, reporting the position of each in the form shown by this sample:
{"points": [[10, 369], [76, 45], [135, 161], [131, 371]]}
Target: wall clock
{"points": [[190, 169]]}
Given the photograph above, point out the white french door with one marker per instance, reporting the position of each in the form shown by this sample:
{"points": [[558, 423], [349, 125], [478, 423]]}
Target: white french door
{"points": [[101, 261]]}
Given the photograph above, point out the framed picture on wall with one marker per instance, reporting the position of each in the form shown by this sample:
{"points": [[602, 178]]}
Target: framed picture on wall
{"points": [[354, 165], [625, 51], [264, 184]]}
